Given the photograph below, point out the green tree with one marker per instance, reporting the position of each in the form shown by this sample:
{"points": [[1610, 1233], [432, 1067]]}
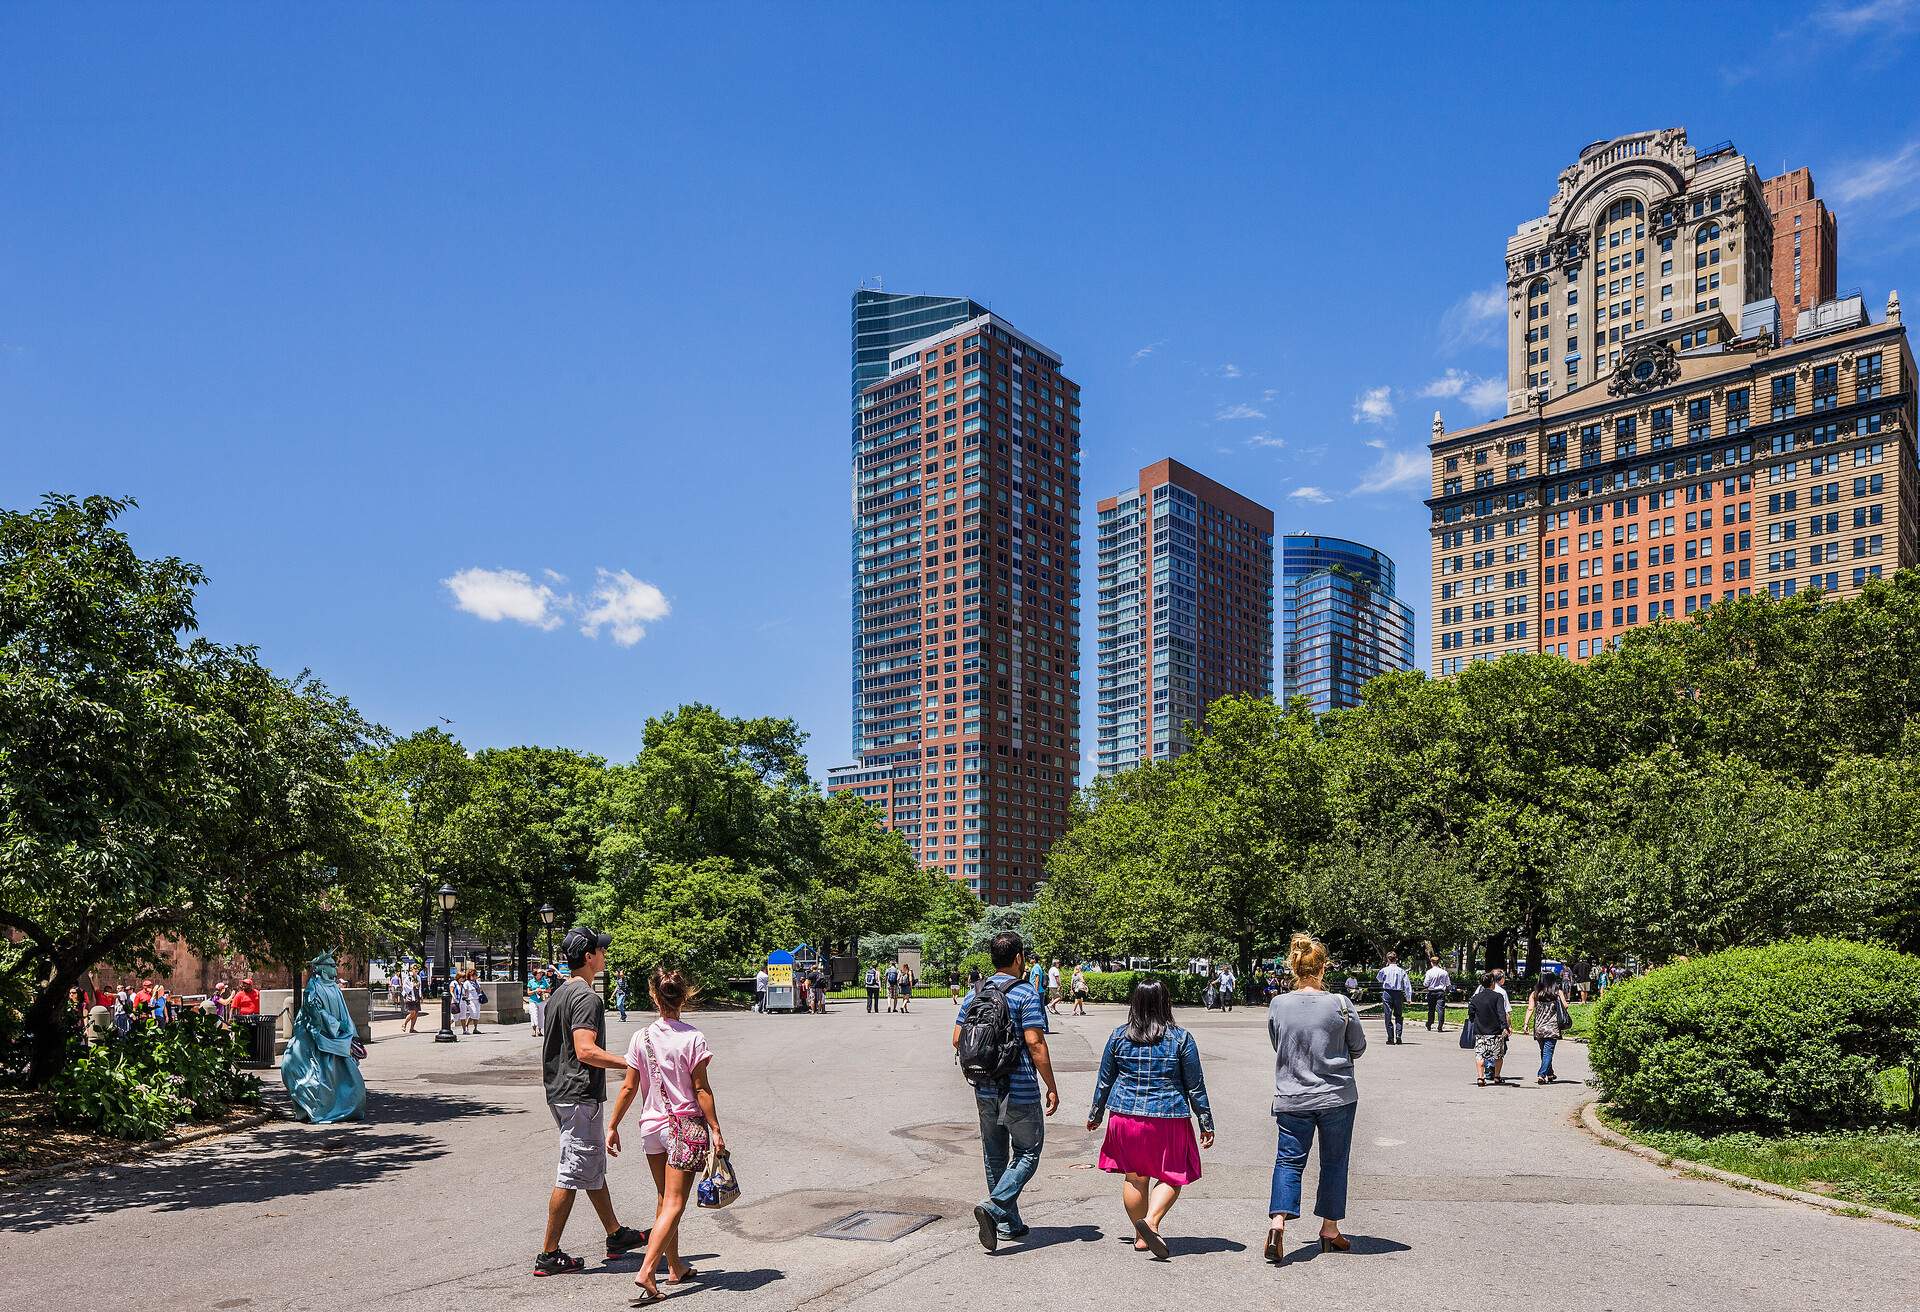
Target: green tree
{"points": [[430, 777], [708, 918], [862, 878], [946, 928], [156, 789]]}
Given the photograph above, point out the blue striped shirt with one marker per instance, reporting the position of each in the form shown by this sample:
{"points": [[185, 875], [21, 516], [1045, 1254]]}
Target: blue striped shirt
{"points": [[1023, 1001]]}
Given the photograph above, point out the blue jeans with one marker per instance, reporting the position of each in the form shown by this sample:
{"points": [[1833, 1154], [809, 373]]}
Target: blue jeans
{"points": [[1335, 1125], [1546, 1056], [1010, 1137]]}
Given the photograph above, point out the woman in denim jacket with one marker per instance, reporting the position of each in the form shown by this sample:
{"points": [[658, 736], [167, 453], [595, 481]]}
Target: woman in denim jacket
{"points": [[1150, 1085]]}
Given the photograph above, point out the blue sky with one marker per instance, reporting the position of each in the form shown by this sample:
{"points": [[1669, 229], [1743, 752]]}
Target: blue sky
{"points": [[361, 300]]}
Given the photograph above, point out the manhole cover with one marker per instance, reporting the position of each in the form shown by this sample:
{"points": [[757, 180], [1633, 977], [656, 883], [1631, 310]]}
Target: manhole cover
{"points": [[876, 1227]]}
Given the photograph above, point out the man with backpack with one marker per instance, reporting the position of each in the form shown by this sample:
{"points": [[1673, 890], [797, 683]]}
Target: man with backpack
{"points": [[1000, 1037]]}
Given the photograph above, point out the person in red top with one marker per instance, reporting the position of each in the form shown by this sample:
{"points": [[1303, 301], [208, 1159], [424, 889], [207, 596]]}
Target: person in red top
{"points": [[246, 999]]}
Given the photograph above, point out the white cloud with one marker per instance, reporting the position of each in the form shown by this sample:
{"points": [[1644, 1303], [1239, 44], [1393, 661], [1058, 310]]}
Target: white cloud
{"points": [[1267, 440], [1479, 393], [1373, 406], [1147, 350], [1272, 393], [1309, 493], [1231, 412], [1855, 19], [1474, 319], [1889, 184], [625, 604], [505, 594], [1377, 443], [1229, 370], [1394, 469]]}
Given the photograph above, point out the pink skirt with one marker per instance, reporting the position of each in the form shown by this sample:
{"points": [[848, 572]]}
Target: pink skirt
{"points": [[1158, 1147]]}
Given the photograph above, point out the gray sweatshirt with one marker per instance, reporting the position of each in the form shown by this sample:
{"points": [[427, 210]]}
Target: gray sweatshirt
{"points": [[1316, 1038]]}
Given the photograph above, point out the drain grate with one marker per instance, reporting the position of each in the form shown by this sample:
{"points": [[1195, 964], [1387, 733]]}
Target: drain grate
{"points": [[876, 1227]]}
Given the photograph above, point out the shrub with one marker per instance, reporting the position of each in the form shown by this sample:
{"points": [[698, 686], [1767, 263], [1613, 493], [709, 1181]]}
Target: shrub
{"points": [[141, 1086], [1117, 985], [1790, 1036]]}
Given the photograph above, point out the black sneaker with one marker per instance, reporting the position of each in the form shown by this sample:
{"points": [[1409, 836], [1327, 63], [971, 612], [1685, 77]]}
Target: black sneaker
{"points": [[989, 1228], [557, 1263], [625, 1240]]}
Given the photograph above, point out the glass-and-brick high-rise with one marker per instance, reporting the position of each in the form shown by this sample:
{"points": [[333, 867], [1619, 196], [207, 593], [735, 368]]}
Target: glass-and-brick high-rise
{"points": [[965, 588]]}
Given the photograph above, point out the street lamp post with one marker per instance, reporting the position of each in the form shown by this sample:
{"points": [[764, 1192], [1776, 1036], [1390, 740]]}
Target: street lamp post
{"points": [[547, 914], [448, 900]]}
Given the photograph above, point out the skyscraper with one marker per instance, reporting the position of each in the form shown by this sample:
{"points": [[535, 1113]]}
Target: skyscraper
{"points": [[1805, 246], [1701, 459], [966, 583], [1185, 610], [1341, 622]]}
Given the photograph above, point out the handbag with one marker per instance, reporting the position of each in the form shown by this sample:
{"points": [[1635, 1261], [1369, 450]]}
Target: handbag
{"points": [[1467, 1036], [688, 1141], [720, 1186], [356, 1049]]}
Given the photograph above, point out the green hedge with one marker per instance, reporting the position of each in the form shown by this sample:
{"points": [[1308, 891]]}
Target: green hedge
{"points": [[142, 1085], [1117, 985], [1785, 1037]]}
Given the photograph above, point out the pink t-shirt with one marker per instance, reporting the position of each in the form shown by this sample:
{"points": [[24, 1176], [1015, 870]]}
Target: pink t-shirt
{"points": [[678, 1050]]}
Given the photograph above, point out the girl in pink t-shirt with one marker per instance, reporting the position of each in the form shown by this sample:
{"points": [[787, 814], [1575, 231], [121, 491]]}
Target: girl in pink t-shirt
{"points": [[679, 1053]]}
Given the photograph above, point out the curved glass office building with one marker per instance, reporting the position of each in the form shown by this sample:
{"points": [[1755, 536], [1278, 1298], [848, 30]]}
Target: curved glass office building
{"points": [[1341, 623]]}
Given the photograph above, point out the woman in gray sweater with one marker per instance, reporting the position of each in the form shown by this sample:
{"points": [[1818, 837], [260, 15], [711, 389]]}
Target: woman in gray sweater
{"points": [[1316, 1039]]}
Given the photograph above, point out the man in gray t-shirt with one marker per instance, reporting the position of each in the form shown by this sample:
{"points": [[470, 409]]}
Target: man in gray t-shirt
{"points": [[574, 1063]]}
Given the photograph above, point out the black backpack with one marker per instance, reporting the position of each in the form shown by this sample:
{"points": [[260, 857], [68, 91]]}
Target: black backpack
{"points": [[990, 1042]]}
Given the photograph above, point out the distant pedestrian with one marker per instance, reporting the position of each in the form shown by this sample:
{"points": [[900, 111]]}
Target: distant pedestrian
{"points": [[667, 1066], [1053, 987], [1490, 1016], [620, 993], [1396, 990], [1316, 1039], [907, 981], [536, 1000], [1438, 984], [574, 1065], [973, 978], [1150, 1084], [760, 982], [1229, 985], [1000, 1035], [821, 986], [953, 985], [1079, 991], [1353, 988], [893, 986], [873, 989], [802, 992], [1547, 1020]]}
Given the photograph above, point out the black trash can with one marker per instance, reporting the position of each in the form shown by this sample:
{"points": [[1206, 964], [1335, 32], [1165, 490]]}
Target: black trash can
{"points": [[260, 1033]]}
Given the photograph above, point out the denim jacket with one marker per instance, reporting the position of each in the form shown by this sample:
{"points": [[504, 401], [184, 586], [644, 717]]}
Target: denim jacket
{"points": [[1163, 1080]]}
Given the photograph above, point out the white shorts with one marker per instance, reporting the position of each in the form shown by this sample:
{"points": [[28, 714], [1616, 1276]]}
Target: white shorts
{"points": [[470, 1010]]}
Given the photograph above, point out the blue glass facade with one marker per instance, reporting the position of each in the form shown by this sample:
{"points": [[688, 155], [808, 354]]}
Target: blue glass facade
{"points": [[1341, 623]]}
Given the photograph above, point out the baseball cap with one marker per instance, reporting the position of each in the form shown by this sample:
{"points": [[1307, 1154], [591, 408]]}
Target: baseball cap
{"points": [[581, 940]]}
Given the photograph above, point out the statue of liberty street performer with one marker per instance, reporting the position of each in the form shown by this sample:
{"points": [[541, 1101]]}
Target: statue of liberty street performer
{"points": [[318, 1067]]}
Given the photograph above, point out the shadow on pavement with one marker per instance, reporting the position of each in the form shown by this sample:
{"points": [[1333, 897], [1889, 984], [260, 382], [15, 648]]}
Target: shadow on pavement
{"points": [[278, 1161], [1188, 1246], [1363, 1245], [1046, 1236], [738, 1282]]}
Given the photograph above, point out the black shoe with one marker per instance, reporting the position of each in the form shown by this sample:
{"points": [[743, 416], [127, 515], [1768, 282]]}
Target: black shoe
{"points": [[625, 1240], [557, 1263], [989, 1229]]}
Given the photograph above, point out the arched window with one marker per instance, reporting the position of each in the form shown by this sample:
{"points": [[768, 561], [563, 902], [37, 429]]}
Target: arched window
{"points": [[1705, 233]]}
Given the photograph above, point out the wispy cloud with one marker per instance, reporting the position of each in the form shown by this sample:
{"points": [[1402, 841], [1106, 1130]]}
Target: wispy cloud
{"points": [[1270, 394], [620, 603], [1868, 16], [1373, 406], [625, 604], [1474, 319], [1231, 412], [1267, 440], [1478, 393], [505, 594], [1147, 350], [1377, 443], [1394, 470], [1229, 370], [1887, 185], [1310, 494]]}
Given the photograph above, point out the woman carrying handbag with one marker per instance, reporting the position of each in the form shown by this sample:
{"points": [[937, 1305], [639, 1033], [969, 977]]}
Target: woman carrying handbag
{"points": [[679, 1126]]}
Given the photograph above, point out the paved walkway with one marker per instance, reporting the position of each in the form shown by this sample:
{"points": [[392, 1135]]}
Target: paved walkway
{"points": [[1461, 1196]]}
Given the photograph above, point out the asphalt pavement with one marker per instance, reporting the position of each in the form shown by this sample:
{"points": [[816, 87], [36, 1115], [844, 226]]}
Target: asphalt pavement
{"points": [[1462, 1197]]}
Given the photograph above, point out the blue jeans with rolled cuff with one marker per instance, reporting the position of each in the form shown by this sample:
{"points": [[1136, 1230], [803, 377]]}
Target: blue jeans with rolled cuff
{"points": [[1011, 1134], [1297, 1129]]}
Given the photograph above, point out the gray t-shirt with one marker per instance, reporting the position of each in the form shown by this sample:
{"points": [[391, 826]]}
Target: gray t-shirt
{"points": [[1316, 1037], [574, 1006]]}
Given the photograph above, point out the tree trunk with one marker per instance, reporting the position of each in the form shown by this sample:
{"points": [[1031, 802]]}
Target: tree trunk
{"points": [[1534, 931], [47, 1037]]}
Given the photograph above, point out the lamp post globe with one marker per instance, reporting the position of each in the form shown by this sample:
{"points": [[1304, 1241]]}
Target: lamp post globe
{"points": [[547, 914], [448, 900]]}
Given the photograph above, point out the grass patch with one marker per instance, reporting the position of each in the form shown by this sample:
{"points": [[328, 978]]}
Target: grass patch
{"points": [[1582, 1013], [1876, 1167]]}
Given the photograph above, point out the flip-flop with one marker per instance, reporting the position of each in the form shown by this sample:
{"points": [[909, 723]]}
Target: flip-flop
{"points": [[1151, 1237], [644, 1299]]}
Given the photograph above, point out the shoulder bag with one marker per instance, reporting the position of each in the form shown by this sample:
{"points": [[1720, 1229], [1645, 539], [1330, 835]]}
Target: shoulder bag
{"points": [[688, 1140], [720, 1186]]}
